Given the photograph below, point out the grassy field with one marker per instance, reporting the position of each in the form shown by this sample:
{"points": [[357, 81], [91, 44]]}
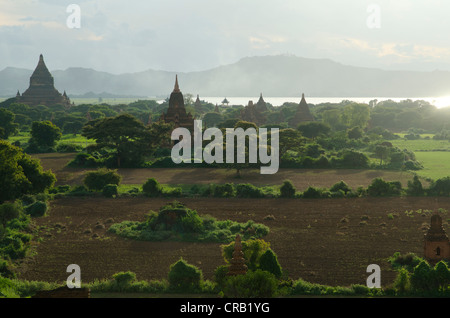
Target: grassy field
{"points": [[436, 164], [434, 155], [23, 138], [422, 144]]}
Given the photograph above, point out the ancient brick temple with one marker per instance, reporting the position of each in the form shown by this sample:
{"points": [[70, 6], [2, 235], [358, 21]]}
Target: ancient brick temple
{"points": [[255, 112], [436, 242], [302, 114], [237, 263], [198, 106], [42, 90], [176, 113]]}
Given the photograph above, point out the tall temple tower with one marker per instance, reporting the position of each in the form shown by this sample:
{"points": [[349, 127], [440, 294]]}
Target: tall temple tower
{"points": [[176, 113], [42, 90]]}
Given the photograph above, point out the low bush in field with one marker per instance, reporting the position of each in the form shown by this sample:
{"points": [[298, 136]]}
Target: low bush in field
{"points": [[177, 222], [97, 180]]}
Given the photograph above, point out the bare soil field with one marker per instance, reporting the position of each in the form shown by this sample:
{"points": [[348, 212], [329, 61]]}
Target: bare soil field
{"points": [[326, 241], [301, 178]]}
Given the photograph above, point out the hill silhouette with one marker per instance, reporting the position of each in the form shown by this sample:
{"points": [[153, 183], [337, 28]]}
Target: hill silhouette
{"points": [[275, 76]]}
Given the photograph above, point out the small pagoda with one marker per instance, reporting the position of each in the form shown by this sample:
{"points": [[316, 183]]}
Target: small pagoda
{"points": [[436, 242], [42, 90], [302, 114], [237, 263], [198, 106]]}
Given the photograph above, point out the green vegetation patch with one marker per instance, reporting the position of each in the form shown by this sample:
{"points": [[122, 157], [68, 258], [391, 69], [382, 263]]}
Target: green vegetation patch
{"points": [[176, 222]]}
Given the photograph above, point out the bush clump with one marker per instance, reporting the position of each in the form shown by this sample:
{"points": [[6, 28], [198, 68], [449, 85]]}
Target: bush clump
{"points": [[176, 222], [287, 190], [247, 190], [152, 188], [110, 191], [259, 284], [36, 209], [379, 188], [97, 180], [184, 277]]}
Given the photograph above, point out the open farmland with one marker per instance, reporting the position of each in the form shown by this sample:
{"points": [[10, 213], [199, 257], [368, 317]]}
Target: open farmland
{"points": [[327, 241]]}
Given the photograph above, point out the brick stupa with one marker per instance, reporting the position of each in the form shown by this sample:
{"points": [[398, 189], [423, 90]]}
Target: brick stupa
{"points": [[176, 113], [42, 90], [436, 245], [237, 263], [302, 114]]}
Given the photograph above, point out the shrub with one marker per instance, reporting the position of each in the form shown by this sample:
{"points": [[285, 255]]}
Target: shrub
{"points": [[269, 262], [247, 190], [440, 187], [421, 279], [84, 160], [353, 159], [441, 274], [312, 193], [379, 187], [184, 277], [8, 212], [220, 275], [97, 180], [415, 187], [36, 209], [402, 282], [340, 186], [110, 190], [260, 284], [124, 279], [224, 190], [408, 260], [287, 190], [152, 188]]}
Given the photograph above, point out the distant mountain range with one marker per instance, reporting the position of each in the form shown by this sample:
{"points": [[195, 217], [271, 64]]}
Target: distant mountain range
{"points": [[274, 76]]}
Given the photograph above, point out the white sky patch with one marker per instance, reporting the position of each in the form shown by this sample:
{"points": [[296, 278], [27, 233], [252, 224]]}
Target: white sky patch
{"points": [[201, 34]]}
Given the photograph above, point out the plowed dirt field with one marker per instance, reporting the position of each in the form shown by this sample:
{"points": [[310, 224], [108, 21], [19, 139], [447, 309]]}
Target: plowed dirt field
{"points": [[327, 241]]}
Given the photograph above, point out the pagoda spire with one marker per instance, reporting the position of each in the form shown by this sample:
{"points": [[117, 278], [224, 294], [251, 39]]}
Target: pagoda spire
{"points": [[176, 89]]}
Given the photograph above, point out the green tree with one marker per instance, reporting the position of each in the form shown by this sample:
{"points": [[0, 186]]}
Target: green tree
{"points": [[402, 282], [7, 124], [356, 114], [381, 152], [355, 133], [44, 136], [125, 136], [269, 262], [313, 129], [20, 174], [212, 119], [421, 279], [260, 284], [184, 277]]}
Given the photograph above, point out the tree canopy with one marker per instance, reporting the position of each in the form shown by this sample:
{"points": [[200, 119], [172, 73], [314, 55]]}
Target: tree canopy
{"points": [[20, 174]]}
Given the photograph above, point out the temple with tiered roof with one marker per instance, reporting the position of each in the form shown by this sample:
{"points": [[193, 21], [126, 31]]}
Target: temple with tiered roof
{"points": [[302, 114], [42, 90], [176, 113]]}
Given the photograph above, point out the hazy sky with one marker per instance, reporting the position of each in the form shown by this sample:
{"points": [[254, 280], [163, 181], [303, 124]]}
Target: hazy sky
{"points": [[191, 35]]}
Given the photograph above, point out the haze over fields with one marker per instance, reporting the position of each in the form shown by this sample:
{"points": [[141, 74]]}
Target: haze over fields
{"points": [[275, 75], [230, 48]]}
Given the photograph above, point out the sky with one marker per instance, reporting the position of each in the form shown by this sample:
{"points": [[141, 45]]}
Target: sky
{"points": [[118, 36]]}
